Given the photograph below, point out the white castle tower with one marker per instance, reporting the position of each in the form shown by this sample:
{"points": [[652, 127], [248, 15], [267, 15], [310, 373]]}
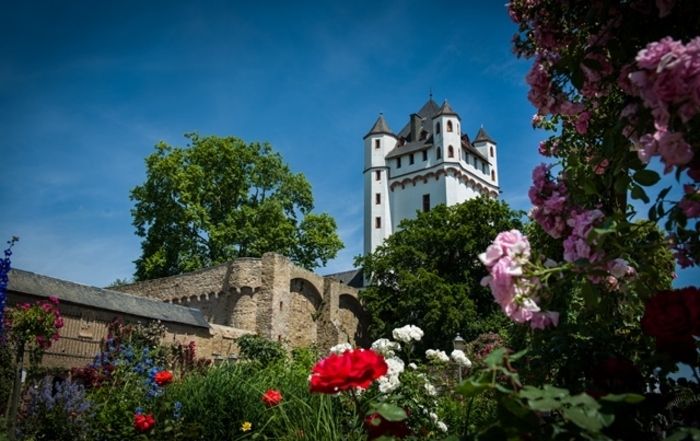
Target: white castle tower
{"points": [[429, 162]]}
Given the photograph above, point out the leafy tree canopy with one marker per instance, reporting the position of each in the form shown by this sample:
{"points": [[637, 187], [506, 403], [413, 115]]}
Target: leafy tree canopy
{"points": [[220, 198], [428, 273]]}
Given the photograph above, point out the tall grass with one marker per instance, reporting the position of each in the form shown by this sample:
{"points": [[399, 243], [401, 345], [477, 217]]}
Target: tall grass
{"points": [[217, 402]]}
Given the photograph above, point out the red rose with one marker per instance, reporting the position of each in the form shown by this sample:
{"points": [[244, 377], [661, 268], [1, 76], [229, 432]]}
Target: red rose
{"points": [[377, 426], [672, 317], [353, 368], [271, 398], [143, 423], [163, 377]]}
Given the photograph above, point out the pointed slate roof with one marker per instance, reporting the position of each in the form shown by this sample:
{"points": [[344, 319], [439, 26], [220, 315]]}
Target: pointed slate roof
{"points": [[429, 109], [445, 109], [380, 127], [483, 136]]}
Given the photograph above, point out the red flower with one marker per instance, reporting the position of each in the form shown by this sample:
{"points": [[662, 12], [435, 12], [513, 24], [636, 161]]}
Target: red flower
{"points": [[143, 423], [672, 318], [271, 398], [163, 377], [354, 368], [377, 426]]}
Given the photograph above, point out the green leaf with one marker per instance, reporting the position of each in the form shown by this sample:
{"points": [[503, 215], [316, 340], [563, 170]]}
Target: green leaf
{"points": [[557, 392], [662, 194], [685, 433], [646, 177], [583, 419], [470, 388], [390, 412], [544, 404], [639, 193], [518, 355], [531, 392], [495, 358], [624, 398]]}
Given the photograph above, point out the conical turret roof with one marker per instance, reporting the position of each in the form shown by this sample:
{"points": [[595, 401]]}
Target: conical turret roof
{"points": [[483, 136], [380, 127], [445, 109]]}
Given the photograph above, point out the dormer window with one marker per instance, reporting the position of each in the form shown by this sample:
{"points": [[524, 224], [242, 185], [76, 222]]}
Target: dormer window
{"points": [[449, 125]]}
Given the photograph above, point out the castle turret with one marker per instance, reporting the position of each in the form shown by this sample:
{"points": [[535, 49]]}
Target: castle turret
{"points": [[487, 147], [377, 214]]}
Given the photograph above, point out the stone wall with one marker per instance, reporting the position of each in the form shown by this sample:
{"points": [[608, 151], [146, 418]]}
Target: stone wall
{"points": [[269, 296]]}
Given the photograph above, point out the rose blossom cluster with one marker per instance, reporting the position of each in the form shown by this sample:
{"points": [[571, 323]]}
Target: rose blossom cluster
{"points": [[407, 333], [558, 218], [356, 368], [390, 381], [460, 358], [515, 293], [386, 347], [668, 82], [436, 356]]}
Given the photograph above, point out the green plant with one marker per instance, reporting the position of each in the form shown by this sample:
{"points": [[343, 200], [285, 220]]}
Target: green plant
{"points": [[254, 347]]}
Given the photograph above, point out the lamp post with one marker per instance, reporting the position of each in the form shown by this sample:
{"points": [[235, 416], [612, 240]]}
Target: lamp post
{"points": [[459, 344]]}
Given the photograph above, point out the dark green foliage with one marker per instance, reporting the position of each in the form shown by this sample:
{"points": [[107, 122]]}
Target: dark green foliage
{"points": [[428, 273], [219, 199], [254, 347], [7, 372]]}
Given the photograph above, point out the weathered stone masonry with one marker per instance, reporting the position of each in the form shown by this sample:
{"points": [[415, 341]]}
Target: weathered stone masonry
{"points": [[269, 296]]}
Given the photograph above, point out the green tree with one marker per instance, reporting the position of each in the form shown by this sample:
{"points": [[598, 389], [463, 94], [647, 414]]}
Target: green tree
{"points": [[220, 198], [428, 273]]}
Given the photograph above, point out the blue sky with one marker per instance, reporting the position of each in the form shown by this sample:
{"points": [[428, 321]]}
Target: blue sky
{"points": [[86, 91]]}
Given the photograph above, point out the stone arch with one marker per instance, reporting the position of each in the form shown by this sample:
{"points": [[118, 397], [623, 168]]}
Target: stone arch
{"points": [[352, 320], [304, 305], [244, 309]]}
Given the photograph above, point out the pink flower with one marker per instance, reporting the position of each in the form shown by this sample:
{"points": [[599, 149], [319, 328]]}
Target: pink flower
{"points": [[673, 149], [581, 123], [542, 320], [690, 204]]}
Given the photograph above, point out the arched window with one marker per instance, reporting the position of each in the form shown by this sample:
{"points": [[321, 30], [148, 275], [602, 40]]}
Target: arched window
{"points": [[437, 128], [492, 152], [439, 153], [449, 125], [450, 152]]}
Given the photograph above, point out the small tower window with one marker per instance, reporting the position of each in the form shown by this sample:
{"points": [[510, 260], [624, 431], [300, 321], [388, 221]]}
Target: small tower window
{"points": [[425, 155], [437, 128], [398, 162], [476, 162], [449, 125], [439, 153], [450, 152], [377, 198], [492, 151], [426, 203], [493, 175], [377, 143], [410, 159], [377, 222], [378, 175]]}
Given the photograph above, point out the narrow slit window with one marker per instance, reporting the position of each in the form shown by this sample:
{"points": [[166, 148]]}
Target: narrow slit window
{"points": [[449, 126], [426, 203], [377, 222], [410, 159], [378, 175], [377, 198], [450, 152], [377, 143]]}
